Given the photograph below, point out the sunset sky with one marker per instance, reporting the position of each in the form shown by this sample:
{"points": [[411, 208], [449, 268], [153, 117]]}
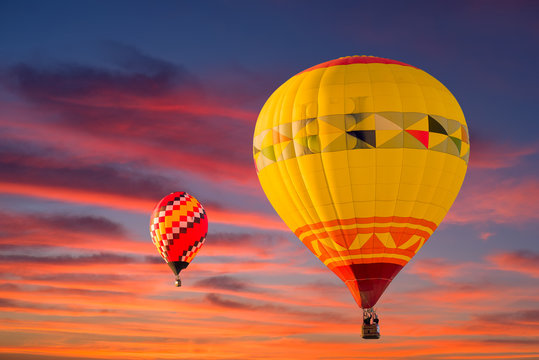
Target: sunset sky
{"points": [[107, 106]]}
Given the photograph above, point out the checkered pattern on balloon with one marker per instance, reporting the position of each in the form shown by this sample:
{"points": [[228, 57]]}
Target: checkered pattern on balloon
{"points": [[178, 227]]}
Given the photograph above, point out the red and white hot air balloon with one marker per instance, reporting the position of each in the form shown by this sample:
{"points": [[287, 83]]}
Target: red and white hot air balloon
{"points": [[178, 227]]}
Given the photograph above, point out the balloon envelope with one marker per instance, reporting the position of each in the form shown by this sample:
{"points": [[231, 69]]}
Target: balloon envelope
{"points": [[362, 157], [178, 227]]}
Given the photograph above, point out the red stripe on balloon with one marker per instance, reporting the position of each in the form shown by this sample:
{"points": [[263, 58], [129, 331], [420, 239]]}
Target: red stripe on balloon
{"points": [[356, 60]]}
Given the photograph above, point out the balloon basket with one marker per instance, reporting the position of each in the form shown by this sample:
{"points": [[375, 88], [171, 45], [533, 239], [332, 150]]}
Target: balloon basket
{"points": [[370, 331]]}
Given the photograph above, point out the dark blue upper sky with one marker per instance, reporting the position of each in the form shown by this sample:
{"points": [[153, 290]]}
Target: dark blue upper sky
{"points": [[484, 51]]}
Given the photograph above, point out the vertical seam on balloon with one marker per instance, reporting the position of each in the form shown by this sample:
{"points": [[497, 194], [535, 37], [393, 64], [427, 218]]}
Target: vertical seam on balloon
{"points": [[402, 158], [445, 111], [324, 172], [312, 221], [290, 186], [306, 215], [445, 155], [375, 158], [429, 203], [377, 150], [346, 70], [414, 202]]}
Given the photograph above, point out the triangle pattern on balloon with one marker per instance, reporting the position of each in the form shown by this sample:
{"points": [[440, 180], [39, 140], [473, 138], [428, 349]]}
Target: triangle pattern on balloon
{"points": [[334, 242], [385, 136], [437, 126], [408, 241], [311, 126], [416, 139], [366, 136], [421, 125], [386, 239], [334, 123], [334, 142], [436, 139], [452, 126], [331, 124], [371, 242], [300, 146], [395, 142], [442, 147], [464, 134], [299, 129], [257, 140], [269, 153], [416, 246], [262, 161], [267, 139], [383, 123], [411, 118], [286, 130], [368, 130], [465, 148], [395, 117], [279, 137], [287, 151], [466, 157], [255, 150], [452, 147], [362, 122], [360, 240], [457, 142]]}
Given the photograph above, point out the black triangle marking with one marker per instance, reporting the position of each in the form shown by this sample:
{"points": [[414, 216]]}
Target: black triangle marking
{"points": [[436, 127], [368, 136]]}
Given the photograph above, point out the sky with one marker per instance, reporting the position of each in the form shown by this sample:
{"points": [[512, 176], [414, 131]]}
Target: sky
{"points": [[106, 107]]}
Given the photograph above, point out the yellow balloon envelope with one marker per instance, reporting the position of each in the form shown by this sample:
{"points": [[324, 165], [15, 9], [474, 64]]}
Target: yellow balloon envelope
{"points": [[362, 157]]}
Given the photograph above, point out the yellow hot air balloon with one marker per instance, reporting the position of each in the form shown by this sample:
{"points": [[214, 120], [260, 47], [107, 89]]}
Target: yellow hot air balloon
{"points": [[362, 157]]}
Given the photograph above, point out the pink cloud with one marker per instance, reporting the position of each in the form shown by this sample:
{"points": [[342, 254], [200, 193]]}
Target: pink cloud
{"points": [[486, 235], [123, 202], [523, 262], [491, 199], [493, 155], [439, 270]]}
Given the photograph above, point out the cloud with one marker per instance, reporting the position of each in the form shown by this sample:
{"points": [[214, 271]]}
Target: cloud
{"points": [[525, 317], [139, 74], [149, 113], [16, 224], [439, 270], [223, 282], [37, 166], [216, 212], [259, 246], [485, 235], [31, 233], [100, 258], [494, 199], [525, 262], [20, 225], [495, 155], [219, 301]]}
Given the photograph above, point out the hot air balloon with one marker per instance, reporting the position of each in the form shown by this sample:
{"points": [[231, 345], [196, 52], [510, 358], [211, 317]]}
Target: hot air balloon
{"points": [[178, 227], [362, 157]]}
